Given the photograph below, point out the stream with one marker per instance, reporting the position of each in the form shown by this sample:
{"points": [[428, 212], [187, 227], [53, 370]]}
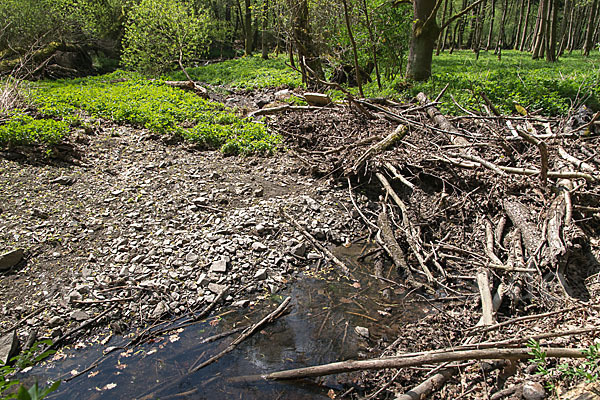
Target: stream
{"points": [[320, 327]]}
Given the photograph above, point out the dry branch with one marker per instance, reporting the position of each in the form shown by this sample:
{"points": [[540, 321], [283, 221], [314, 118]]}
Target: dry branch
{"points": [[430, 358]]}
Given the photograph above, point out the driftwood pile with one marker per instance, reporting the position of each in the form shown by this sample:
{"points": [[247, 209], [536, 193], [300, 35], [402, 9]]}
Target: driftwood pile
{"points": [[504, 207]]}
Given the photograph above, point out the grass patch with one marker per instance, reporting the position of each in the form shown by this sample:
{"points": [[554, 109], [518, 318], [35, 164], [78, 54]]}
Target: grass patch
{"points": [[128, 98], [535, 84], [22, 129], [246, 73]]}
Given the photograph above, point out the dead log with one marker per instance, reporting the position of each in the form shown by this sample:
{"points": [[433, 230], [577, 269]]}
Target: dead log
{"points": [[189, 85], [442, 121], [429, 358], [428, 386], [391, 246], [388, 142], [519, 215]]}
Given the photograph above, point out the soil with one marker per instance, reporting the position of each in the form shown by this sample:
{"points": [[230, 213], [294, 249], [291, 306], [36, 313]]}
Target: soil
{"points": [[145, 229]]}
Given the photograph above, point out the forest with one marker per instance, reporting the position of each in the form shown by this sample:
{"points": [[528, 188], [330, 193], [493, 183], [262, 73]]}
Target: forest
{"points": [[268, 199]]}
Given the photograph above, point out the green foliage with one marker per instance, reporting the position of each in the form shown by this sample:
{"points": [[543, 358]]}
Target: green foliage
{"points": [[534, 84], [246, 73], [589, 369], [159, 33], [28, 358], [22, 129], [155, 106]]}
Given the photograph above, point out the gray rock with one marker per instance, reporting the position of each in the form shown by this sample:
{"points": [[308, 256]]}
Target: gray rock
{"points": [[259, 192], [241, 303], [313, 256], [533, 391], [191, 257], [74, 296], [219, 266], [79, 315], [259, 247], [55, 321], [216, 288], [261, 274], [362, 331], [9, 346], [200, 201], [64, 180], [261, 229], [10, 259], [299, 249], [159, 310]]}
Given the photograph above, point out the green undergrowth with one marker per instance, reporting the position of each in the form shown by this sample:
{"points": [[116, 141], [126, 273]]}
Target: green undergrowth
{"points": [[246, 73], [23, 129], [128, 98], [552, 88]]}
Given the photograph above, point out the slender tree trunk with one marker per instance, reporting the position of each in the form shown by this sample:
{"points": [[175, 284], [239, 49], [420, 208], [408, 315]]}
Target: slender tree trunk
{"points": [[307, 51], [539, 38], [566, 25], [491, 30], [263, 37], [502, 32], [519, 25], [424, 33], [590, 29], [248, 33], [373, 43], [441, 38], [551, 31], [354, 50], [525, 25], [446, 30], [461, 28]]}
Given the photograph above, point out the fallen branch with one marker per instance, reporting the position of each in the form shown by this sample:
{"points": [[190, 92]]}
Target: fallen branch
{"points": [[389, 141], [433, 358]]}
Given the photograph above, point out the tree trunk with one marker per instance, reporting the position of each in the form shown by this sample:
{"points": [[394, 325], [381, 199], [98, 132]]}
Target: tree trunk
{"points": [[440, 38], [445, 33], [373, 43], [307, 51], [461, 27], [539, 36], [590, 29], [525, 25], [354, 50], [263, 36], [519, 25], [424, 33], [502, 32], [248, 33], [566, 25], [491, 30], [551, 31]]}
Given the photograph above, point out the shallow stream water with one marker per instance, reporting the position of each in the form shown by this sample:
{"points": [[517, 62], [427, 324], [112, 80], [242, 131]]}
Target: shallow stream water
{"points": [[319, 328]]}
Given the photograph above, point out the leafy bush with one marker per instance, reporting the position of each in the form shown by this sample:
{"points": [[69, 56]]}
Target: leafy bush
{"points": [[129, 98], [162, 32]]}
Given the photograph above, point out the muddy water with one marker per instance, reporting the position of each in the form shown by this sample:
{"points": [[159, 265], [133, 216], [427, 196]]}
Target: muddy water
{"points": [[320, 328]]}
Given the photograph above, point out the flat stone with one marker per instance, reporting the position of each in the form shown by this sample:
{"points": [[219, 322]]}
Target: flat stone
{"points": [[79, 315], [55, 321], [259, 247], [200, 201], [219, 266], [317, 99], [241, 303], [10, 259], [261, 274], [191, 257], [259, 192], [299, 250], [362, 331], [159, 310], [216, 288], [533, 391], [9, 346]]}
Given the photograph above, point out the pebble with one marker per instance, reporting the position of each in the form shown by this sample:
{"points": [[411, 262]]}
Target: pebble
{"points": [[362, 331], [219, 266], [261, 274], [533, 391], [79, 315], [258, 247]]}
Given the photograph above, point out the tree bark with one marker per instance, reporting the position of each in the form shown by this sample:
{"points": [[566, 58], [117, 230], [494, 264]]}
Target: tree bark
{"points": [[590, 29], [424, 33], [491, 30], [248, 42], [566, 25], [263, 37], [525, 25], [551, 31], [354, 50], [307, 51], [442, 38], [502, 32], [539, 36]]}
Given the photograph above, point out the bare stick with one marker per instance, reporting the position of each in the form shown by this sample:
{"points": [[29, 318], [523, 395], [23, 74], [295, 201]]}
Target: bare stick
{"points": [[246, 334], [398, 176], [431, 384], [431, 358], [483, 282], [389, 141], [543, 147]]}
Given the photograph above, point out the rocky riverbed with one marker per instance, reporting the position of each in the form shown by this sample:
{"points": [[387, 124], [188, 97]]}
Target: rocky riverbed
{"points": [[143, 231]]}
